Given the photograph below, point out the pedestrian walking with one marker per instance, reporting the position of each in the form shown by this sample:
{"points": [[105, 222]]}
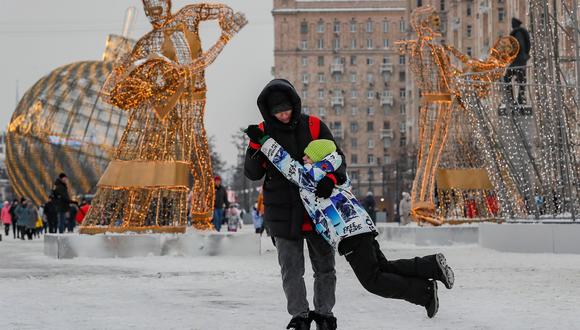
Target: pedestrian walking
{"points": [[51, 215], [27, 218], [6, 217], [284, 215], [405, 209], [62, 201], [13, 207], [220, 201]]}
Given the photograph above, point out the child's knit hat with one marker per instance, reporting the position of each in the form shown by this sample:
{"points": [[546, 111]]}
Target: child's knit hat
{"points": [[318, 149]]}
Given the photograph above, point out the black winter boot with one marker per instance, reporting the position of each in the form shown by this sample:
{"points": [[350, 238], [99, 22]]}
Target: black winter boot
{"points": [[323, 322], [299, 323], [445, 273], [433, 303]]}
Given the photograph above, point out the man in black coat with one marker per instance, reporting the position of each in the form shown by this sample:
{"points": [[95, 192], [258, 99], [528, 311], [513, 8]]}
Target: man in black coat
{"points": [[517, 67], [220, 202], [284, 213], [62, 201], [51, 215]]}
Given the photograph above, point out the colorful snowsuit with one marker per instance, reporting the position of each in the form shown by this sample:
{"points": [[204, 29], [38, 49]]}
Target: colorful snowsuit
{"points": [[334, 218]]}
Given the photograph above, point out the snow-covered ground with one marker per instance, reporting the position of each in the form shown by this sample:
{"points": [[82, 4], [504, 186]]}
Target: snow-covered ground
{"points": [[493, 291]]}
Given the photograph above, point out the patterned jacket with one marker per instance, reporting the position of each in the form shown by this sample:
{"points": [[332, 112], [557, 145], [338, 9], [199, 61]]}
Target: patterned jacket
{"points": [[334, 218]]}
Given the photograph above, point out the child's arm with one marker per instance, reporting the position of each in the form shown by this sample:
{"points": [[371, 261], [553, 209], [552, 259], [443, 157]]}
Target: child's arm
{"points": [[289, 167]]}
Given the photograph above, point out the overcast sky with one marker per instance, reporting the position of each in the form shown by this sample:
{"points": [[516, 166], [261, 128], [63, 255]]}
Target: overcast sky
{"points": [[37, 36]]}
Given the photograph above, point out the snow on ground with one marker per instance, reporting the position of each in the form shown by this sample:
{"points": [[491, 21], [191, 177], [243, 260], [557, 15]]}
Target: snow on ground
{"points": [[493, 291]]}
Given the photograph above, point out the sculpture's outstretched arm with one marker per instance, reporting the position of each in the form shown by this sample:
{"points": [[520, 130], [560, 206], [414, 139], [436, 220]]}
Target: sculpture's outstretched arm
{"points": [[229, 22]]}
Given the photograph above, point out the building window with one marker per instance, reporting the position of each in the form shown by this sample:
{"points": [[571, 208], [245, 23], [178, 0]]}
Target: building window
{"points": [[402, 109], [468, 9], [321, 94], [353, 60], [386, 26], [369, 43], [304, 27], [371, 159], [385, 43], [304, 44], [402, 26], [354, 111], [338, 111], [352, 26], [305, 110], [337, 77], [369, 26], [353, 94], [320, 27], [402, 76], [305, 78], [501, 14], [442, 5], [353, 77], [354, 175], [354, 127], [370, 78], [370, 95], [370, 61], [353, 160], [353, 143], [419, 3], [402, 93], [336, 43], [353, 44], [402, 59], [469, 52], [387, 159], [469, 28], [304, 61], [304, 94], [387, 143], [321, 78], [370, 126], [321, 112], [387, 125], [320, 60], [371, 144], [370, 111], [336, 27], [320, 43]]}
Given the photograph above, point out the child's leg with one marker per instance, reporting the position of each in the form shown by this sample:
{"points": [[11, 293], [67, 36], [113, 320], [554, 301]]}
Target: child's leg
{"points": [[366, 264], [421, 267]]}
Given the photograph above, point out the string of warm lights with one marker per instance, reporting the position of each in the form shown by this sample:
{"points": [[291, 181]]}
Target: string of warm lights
{"points": [[162, 85]]}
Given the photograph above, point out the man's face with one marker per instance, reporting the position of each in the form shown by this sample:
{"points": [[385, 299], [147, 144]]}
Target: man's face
{"points": [[284, 116], [158, 11], [65, 180]]}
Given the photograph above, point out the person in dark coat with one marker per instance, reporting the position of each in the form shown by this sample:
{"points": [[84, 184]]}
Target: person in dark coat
{"points": [[15, 230], [284, 215], [51, 215], [369, 204], [62, 201], [27, 216], [220, 203], [517, 67]]}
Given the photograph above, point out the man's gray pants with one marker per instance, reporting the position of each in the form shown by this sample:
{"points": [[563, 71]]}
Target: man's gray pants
{"points": [[291, 260]]}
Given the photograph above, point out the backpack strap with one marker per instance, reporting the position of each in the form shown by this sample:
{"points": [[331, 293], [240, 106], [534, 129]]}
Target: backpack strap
{"points": [[314, 125]]}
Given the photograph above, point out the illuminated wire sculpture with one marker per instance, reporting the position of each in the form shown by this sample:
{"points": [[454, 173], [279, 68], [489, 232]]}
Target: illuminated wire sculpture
{"points": [[441, 107], [162, 86]]}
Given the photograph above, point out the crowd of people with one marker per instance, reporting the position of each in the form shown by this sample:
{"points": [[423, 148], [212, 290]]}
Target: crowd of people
{"points": [[59, 214]]}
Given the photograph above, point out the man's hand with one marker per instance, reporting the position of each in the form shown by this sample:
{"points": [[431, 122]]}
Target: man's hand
{"points": [[255, 134], [324, 187]]}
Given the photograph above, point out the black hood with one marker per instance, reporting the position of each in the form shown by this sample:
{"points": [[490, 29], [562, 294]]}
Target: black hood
{"points": [[284, 86], [516, 23]]}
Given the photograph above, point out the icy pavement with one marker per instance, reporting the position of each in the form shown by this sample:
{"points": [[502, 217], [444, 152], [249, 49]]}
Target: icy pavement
{"points": [[493, 291]]}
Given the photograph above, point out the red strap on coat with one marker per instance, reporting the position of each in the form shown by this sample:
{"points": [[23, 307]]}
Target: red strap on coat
{"points": [[314, 125]]}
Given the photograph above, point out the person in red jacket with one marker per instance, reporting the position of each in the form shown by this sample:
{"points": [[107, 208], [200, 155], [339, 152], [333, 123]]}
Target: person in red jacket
{"points": [[83, 210]]}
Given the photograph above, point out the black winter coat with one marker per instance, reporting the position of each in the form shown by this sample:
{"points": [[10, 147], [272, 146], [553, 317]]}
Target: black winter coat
{"points": [[283, 209], [221, 198], [60, 196], [523, 37]]}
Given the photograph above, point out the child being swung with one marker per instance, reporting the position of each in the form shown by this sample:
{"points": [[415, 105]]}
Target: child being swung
{"points": [[346, 226]]}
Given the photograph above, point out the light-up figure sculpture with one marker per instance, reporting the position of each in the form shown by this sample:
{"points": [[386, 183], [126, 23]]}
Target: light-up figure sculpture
{"points": [[436, 78], [162, 86]]}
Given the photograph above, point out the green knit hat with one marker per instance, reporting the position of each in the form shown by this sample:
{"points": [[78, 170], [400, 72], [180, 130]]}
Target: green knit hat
{"points": [[318, 149]]}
